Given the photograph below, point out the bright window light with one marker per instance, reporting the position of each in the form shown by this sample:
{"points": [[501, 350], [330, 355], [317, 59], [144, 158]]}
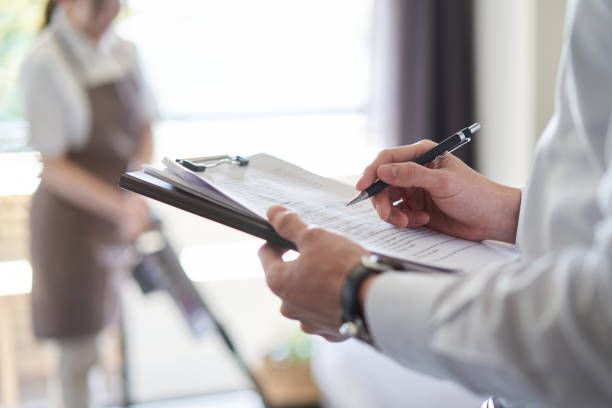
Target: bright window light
{"points": [[15, 278], [243, 57]]}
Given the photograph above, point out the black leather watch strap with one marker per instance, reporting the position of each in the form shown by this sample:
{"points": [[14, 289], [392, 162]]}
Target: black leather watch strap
{"points": [[351, 308], [353, 319]]}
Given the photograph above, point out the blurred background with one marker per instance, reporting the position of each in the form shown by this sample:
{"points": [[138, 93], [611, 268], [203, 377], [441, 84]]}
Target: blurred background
{"points": [[322, 84]]}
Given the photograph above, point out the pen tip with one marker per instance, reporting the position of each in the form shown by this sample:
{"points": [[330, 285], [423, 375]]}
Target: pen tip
{"points": [[357, 199]]}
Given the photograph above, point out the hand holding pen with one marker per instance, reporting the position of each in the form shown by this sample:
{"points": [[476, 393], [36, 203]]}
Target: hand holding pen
{"points": [[448, 145], [451, 198]]}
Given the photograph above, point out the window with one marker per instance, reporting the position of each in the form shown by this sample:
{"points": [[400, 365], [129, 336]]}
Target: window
{"points": [[19, 22], [227, 60], [281, 76], [219, 58]]}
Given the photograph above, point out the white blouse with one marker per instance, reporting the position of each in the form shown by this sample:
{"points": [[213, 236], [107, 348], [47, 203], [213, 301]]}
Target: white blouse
{"points": [[55, 100]]}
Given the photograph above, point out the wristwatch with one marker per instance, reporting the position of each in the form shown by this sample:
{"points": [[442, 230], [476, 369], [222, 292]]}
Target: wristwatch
{"points": [[353, 319]]}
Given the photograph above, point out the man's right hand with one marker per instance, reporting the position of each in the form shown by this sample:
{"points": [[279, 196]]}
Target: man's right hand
{"points": [[447, 196]]}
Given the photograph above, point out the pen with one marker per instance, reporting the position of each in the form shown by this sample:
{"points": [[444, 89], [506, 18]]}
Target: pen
{"points": [[447, 145]]}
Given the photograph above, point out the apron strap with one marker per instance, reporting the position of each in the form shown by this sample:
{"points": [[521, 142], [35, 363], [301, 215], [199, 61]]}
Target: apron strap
{"points": [[78, 70]]}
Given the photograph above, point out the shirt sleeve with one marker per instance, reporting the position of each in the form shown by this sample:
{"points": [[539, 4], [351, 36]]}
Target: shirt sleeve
{"points": [[48, 130]]}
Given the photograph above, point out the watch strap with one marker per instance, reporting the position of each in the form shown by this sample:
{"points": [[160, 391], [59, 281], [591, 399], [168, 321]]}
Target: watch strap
{"points": [[351, 307]]}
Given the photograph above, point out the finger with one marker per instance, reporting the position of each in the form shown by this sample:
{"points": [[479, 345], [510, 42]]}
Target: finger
{"points": [[415, 218], [414, 198], [335, 338], [398, 218], [382, 204], [286, 223], [396, 194], [414, 175], [394, 155], [328, 332], [271, 259], [295, 312]]}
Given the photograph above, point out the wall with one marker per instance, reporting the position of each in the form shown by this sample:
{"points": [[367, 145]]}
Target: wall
{"points": [[517, 51]]}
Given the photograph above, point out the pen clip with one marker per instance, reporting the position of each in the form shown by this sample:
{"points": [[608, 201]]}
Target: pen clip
{"points": [[464, 141]]}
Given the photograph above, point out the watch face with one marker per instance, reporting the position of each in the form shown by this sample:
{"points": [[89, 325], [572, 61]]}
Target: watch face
{"points": [[380, 263], [355, 329], [386, 263]]}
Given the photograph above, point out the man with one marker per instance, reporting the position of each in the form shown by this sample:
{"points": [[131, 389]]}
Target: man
{"points": [[536, 331]]}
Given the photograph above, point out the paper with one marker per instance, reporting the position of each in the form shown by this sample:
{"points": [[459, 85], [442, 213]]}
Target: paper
{"points": [[320, 201]]}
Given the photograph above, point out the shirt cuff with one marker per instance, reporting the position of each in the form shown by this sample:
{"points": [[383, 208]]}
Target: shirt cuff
{"points": [[399, 310]]}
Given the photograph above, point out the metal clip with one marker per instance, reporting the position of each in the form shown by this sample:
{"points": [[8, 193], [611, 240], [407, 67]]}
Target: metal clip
{"points": [[200, 164], [435, 161]]}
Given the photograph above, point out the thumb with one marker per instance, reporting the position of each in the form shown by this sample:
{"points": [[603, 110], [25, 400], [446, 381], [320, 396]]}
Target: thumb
{"points": [[414, 175], [286, 223]]}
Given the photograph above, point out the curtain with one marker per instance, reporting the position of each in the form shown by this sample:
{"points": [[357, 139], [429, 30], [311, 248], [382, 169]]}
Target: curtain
{"points": [[423, 71]]}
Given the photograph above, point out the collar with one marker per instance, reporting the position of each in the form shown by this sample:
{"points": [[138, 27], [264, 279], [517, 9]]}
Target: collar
{"points": [[81, 43], [101, 60]]}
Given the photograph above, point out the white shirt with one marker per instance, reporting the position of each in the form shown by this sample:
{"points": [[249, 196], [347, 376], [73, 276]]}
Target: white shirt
{"points": [[55, 100], [538, 330]]}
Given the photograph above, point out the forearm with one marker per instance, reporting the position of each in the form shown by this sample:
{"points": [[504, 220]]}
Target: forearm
{"points": [[145, 150], [534, 330], [82, 189]]}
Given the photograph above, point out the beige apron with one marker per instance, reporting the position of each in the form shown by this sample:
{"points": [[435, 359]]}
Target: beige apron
{"points": [[76, 255]]}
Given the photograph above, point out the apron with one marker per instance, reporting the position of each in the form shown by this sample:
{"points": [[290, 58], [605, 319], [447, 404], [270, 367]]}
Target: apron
{"points": [[77, 256]]}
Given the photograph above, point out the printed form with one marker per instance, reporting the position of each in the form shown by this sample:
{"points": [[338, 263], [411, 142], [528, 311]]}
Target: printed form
{"points": [[320, 201]]}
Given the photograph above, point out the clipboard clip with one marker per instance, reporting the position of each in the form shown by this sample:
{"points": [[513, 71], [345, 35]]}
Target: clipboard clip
{"points": [[200, 164]]}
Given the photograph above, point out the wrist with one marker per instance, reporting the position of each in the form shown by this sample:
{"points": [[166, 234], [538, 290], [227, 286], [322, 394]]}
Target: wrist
{"points": [[363, 292], [117, 207], [508, 214], [354, 291]]}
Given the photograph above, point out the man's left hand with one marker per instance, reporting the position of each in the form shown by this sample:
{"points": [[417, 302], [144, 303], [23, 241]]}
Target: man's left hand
{"points": [[310, 285]]}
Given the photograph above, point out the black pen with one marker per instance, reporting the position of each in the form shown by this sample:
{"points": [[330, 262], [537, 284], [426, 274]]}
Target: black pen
{"points": [[447, 145]]}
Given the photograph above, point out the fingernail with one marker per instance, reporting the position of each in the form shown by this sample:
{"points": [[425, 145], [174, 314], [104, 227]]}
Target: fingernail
{"points": [[387, 172], [421, 219], [395, 219]]}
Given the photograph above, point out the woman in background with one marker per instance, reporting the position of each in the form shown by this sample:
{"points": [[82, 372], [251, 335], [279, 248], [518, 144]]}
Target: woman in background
{"points": [[90, 116]]}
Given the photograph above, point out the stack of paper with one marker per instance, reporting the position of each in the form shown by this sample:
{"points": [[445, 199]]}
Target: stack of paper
{"points": [[320, 201]]}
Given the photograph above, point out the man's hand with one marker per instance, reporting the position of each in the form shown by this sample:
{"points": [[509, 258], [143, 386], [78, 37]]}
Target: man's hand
{"points": [[309, 286], [447, 196]]}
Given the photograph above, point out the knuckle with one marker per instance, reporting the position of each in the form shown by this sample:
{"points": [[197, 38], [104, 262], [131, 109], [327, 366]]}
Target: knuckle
{"points": [[384, 156], [261, 251], [426, 143], [285, 220], [308, 328], [287, 310], [312, 235], [274, 282], [407, 171], [445, 180]]}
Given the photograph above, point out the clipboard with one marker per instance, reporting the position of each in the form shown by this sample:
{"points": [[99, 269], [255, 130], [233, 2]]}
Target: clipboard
{"points": [[152, 187], [149, 186]]}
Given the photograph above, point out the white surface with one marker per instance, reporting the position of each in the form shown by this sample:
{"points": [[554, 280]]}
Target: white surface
{"points": [[517, 51], [19, 173], [352, 374], [15, 277], [236, 399]]}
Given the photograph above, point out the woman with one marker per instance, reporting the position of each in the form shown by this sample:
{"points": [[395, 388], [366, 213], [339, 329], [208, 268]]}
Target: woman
{"points": [[90, 115]]}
